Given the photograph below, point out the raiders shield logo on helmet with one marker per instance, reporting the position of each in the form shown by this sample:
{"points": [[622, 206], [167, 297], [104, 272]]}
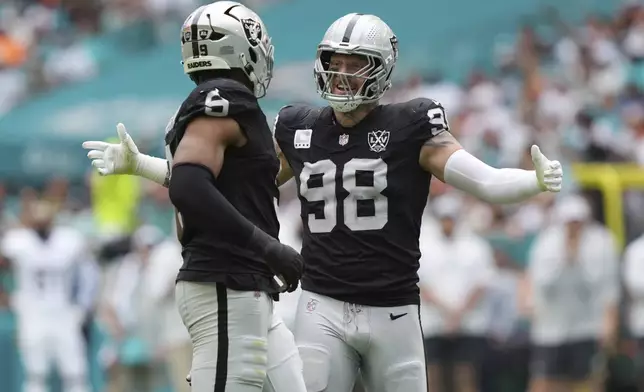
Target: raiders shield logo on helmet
{"points": [[253, 31]]}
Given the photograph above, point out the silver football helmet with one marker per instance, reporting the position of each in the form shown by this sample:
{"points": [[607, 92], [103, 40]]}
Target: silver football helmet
{"points": [[356, 34], [228, 35]]}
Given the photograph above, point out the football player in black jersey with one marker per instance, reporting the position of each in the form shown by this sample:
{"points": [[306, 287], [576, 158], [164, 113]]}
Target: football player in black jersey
{"points": [[363, 172], [223, 187]]}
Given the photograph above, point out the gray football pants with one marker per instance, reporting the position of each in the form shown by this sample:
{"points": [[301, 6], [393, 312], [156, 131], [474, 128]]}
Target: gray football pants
{"points": [[238, 345], [336, 339]]}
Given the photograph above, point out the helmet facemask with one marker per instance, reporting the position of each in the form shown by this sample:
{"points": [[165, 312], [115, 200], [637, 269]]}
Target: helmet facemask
{"points": [[373, 78], [267, 51]]}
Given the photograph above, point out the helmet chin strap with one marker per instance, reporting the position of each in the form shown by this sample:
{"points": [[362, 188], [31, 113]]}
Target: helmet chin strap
{"points": [[346, 106], [250, 72]]}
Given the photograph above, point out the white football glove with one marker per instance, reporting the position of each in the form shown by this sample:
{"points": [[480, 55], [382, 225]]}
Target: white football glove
{"points": [[113, 158], [549, 173], [124, 158]]}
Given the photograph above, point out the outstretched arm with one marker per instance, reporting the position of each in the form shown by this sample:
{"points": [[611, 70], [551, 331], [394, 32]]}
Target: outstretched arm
{"points": [[444, 157], [124, 158]]}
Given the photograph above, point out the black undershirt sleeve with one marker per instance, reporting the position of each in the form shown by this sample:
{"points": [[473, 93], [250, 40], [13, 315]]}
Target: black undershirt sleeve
{"points": [[194, 194]]}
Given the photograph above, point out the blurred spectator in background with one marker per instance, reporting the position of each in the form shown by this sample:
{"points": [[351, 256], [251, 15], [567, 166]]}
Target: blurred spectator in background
{"points": [[12, 55], [434, 85], [45, 44], [115, 200], [131, 316], [633, 273], [506, 361], [172, 346], [157, 210], [47, 261], [574, 298], [455, 272], [5, 283]]}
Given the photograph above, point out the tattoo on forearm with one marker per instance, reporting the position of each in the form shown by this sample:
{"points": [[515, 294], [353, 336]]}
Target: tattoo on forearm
{"points": [[442, 140]]}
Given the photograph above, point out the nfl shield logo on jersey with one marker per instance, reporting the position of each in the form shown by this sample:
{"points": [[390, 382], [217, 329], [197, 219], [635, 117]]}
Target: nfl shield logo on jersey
{"points": [[378, 140], [344, 139]]}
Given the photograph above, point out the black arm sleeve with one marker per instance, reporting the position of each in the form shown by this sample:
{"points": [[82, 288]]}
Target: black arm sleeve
{"points": [[194, 193]]}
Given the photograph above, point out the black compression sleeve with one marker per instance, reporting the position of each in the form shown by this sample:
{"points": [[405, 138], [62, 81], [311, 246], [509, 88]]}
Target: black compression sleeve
{"points": [[193, 192]]}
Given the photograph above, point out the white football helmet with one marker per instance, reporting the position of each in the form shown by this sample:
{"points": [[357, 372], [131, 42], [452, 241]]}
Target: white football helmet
{"points": [[228, 35], [356, 34]]}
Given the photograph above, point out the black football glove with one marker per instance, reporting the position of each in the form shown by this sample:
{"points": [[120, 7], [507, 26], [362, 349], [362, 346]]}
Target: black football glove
{"points": [[283, 260]]}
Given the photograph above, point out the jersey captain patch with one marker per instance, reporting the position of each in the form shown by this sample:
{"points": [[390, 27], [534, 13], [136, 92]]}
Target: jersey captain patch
{"points": [[302, 138]]}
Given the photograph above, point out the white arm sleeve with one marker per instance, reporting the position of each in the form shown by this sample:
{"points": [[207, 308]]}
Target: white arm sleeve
{"points": [[469, 174], [154, 169]]}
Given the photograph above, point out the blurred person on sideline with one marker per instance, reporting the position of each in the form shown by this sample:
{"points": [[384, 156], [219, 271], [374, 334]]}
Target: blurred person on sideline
{"points": [[156, 209], [172, 345], [13, 81], [114, 202], [5, 286], [634, 284], [131, 319], [574, 292], [48, 262], [508, 350], [455, 272]]}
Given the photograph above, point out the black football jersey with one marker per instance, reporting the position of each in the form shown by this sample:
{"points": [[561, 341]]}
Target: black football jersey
{"points": [[247, 180], [363, 193]]}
